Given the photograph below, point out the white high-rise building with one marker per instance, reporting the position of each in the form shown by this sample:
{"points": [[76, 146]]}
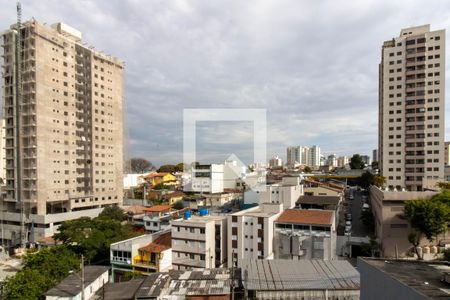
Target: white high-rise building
{"points": [[275, 162], [299, 155], [332, 160], [412, 109]]}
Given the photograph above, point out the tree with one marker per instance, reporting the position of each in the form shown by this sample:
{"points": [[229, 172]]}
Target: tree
{"points": [[92, 237], [42, 270], [371, 248], [307, 169], [178, 205], [161, 186], [356, 162], [140, 165], [379, 181], [429, 218], [444, 185], [180, 167], [167, 169], [113, 212], [366, 179], [375, 165]]}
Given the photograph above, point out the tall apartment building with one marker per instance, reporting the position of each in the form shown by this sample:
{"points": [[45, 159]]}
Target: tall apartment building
{"points": [[63, 134], [275, 162], [447, 153], [199, 242], [251, 233], [299, 155], [411, 109], [342, 161]]}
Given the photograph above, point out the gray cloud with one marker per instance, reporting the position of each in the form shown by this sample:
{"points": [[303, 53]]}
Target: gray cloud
{"points": [[312, 64]]}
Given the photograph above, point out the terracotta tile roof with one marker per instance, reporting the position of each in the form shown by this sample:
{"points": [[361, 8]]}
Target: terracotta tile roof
{"points": [[304, 216], [161, 243], [329, 186], [158, 208]]}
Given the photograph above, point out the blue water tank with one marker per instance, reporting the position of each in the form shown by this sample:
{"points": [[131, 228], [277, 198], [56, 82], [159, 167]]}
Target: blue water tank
{"points": [[203, 212], [187, 214]]}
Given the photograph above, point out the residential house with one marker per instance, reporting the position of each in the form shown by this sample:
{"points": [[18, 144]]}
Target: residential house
{"points": [[173, 197], [95, 277], [305, 234], [158, 217], [161, 178], [156, 256], [123, 253]]}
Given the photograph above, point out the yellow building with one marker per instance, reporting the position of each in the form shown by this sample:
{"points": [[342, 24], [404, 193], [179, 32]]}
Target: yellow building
{"points": [[156, 256], [174, 197], [157, 178]]}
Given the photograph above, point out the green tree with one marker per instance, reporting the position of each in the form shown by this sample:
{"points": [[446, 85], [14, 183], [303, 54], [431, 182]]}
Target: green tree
{"points": [[372, 248], [379, 181], [443, 197], [375, 165], [429, 218], [42, 270], [178, 205], [113, 212], [366, 179], [356, 162], [161, 186], [444, 185], [167, 168], [179, 167], [92, 237]]}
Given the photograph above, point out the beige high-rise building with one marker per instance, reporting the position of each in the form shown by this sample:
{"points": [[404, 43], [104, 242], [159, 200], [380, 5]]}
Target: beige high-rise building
{"points": [[447, 153], [411, 109], [64, 137]]}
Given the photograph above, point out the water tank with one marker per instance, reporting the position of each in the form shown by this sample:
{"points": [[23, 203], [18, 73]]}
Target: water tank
{"points": [[426, 250], [203, 211], [434, 250], [187, 214]]}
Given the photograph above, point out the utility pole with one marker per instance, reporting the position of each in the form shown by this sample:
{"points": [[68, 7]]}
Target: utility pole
{"points": [[82, 277]]}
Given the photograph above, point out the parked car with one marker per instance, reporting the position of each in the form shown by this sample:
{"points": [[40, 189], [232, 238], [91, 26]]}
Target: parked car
{"points": [[348, 228], [365, 206], [348, 217], [348, 223]]}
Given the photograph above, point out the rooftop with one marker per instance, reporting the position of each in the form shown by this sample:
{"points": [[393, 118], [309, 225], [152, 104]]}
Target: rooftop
{"points": [[158, 208], [200, 219], [280, 275], [262, 210], [320, 200], [304, 216], [134, 209], [424, 277], [188, 283], [160, 244], [71, 285]]}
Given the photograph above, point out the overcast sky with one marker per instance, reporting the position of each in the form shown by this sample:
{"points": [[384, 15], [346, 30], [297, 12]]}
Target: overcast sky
{"points": [[312, 64]]}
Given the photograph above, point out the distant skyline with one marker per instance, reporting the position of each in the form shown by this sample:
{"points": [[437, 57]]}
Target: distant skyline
{"points": [[312, 64]]}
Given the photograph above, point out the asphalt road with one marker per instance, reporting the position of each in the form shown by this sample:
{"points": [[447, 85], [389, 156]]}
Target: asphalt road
{"points": [[355, 208]]}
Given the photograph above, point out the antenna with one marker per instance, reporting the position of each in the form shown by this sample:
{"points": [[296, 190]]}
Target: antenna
{"points": [[18, 183]]}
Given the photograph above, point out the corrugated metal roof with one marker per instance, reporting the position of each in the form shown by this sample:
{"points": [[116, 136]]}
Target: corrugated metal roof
{"points": [[299, 275]]}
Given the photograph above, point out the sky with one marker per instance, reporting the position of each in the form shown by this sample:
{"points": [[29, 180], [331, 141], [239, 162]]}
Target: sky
{"points": [[313, 65]]}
